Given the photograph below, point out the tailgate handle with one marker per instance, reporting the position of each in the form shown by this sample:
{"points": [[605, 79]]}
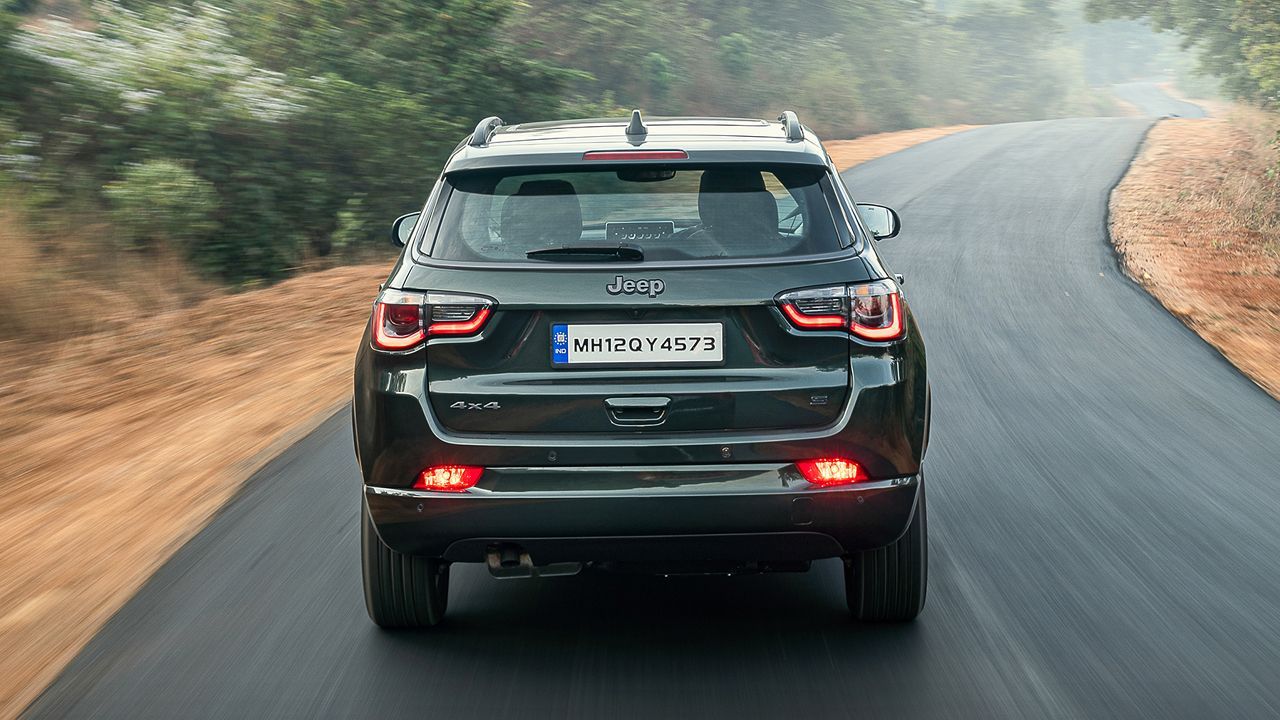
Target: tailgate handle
{"points": [[637, 410]]}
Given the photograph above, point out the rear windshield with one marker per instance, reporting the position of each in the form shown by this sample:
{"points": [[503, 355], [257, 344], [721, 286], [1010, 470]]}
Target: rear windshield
{"points": [[684, 213]]}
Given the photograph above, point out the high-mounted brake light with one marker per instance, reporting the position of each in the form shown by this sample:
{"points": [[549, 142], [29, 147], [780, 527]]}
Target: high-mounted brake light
{"points": [[404, 320], [614, 155], [827, 472], [448, 478], [869, 311]]}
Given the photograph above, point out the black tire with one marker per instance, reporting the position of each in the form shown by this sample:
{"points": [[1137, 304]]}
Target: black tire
{"points": [[888, 584], [400, 591]]}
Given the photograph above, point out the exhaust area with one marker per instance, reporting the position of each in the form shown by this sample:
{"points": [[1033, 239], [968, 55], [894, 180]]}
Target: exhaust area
{"points": [[508, 561]]}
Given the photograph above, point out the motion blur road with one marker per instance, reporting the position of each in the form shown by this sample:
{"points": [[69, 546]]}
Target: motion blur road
{"points": [[1104, 492], [1151, 100]]}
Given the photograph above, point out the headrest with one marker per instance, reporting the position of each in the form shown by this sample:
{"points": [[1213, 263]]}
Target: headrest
{"points": [[736, 206], [542, 213]]}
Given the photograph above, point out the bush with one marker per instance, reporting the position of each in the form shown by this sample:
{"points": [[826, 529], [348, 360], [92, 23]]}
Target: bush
{"points": [[282, 111], [161, 201]]}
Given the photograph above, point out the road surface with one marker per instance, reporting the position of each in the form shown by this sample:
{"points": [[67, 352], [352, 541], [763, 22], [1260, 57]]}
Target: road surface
{"points": [[1104, 493], [1152, 101]]}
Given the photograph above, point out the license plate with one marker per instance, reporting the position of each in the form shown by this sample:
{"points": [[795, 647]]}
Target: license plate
{"points": [[636, 343]]}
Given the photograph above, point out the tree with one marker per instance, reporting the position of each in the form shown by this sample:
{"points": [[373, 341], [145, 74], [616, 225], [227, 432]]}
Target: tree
{"points": [[301, 118], [1236, 40]]}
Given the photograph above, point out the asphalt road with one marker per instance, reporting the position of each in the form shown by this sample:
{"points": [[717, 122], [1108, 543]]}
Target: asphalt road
{"points": [[1151, 100], [1104, 492]]}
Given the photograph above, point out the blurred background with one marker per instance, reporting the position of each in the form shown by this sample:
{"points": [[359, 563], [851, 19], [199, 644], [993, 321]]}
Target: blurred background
{"points": [[195, 199], [250, 139]]}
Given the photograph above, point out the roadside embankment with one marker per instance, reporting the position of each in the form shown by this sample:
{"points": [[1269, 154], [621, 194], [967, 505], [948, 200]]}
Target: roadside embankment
{"points": [[119, 446], [1197, 222], [121, 439], [847, 153]]}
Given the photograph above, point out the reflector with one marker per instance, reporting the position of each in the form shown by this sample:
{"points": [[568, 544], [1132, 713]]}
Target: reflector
{"points": [[448, 478], [831, 471]]}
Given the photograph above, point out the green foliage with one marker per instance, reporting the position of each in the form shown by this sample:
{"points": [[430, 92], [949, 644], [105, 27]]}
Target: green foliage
{"points": [[161, 201], [354, 224], [302, 119], [657, 72], [1259, 23], [261, 133], [734, 51], [847, 67], [606, 106], [1028, 84], [1236, 40]]}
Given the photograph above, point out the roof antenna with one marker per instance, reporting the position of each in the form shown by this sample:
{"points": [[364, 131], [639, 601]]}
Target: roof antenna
{"points": [[636, 126]]}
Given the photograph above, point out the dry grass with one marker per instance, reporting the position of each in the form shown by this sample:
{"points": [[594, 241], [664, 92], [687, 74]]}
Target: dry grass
{"points": [[1197, 221], [134, 401], [847, 153], [1213, 107], [130, 411]]}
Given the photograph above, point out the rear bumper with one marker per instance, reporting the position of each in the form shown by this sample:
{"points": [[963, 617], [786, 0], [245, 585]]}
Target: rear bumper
{"points": [[724, 519]]}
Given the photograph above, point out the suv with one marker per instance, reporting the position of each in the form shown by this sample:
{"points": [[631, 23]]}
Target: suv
{"points": [[665, 345]]}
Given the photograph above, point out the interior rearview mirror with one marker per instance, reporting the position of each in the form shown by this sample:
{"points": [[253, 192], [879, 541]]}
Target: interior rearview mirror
{"points": [[881, 221], [402, 228]]}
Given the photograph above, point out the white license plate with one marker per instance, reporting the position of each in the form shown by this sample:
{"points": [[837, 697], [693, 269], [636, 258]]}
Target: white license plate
{"points": [[636, 343]]}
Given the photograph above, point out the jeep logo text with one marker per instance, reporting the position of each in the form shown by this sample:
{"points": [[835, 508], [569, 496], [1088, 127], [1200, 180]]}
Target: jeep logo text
{"points": [[621, 286]]}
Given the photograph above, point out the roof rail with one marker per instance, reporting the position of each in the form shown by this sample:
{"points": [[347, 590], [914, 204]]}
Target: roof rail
{"points": [[480, 137], [791, 123]]}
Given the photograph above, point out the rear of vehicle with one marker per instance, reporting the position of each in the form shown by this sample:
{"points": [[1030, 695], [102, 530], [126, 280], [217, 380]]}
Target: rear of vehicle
{"points": [[679, 354]]}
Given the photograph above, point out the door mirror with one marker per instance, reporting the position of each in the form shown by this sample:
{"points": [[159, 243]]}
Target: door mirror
{"points": [[883, 222], [402, 229]]}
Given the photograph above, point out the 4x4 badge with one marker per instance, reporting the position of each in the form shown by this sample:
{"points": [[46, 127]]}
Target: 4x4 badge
{"points": [[621, 286], [460, 405]]}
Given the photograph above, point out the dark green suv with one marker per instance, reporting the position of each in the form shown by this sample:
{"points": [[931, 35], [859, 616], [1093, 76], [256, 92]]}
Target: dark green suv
{"points": [[663, 344]]}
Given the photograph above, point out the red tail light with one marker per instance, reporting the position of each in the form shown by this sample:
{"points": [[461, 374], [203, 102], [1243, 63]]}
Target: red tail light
{"points": [[875, 311], [447, 319], [831, 471], [870, 311], [448, 478], [397, 321], [403, 320]]}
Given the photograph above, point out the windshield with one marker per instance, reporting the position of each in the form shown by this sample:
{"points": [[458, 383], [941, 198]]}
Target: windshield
{"points": [[659, 213]]}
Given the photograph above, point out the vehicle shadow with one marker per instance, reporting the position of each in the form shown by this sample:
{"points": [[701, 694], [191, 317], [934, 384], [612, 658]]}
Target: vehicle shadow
{"points": [[629, 611], [601, 642]]}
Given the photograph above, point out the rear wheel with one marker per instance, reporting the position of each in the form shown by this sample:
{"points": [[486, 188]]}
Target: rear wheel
{"points": [[400, 591], [888, 584]]}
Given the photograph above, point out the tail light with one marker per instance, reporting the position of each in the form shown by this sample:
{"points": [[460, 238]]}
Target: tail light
{"points": [[403, 320], [448, 478], [831, 471], [869, 311]]}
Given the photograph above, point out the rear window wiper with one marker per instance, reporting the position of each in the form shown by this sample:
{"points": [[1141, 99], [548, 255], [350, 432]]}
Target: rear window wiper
{"points": [[589, 253]]}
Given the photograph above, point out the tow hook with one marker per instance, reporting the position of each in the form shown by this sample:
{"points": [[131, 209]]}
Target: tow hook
{"points": [[507, 561]]}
